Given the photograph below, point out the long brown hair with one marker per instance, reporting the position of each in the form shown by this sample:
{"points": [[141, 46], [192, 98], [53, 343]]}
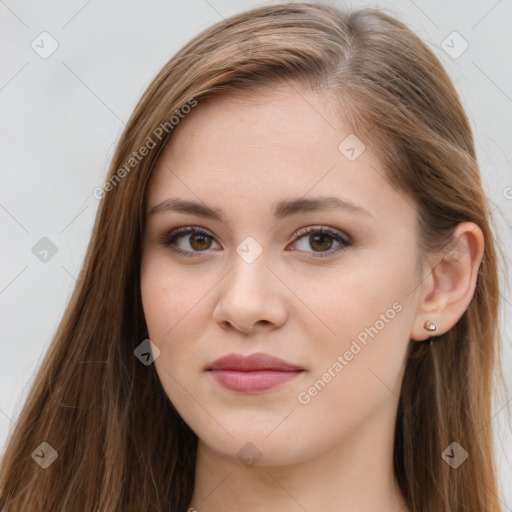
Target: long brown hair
{"points": [[121, 444]]}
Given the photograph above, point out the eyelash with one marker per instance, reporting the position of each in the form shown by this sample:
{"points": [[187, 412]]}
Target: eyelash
{"points": [[344, 240]]}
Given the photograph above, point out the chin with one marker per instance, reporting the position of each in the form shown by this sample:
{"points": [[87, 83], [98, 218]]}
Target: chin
{"points": [[257, 448]]}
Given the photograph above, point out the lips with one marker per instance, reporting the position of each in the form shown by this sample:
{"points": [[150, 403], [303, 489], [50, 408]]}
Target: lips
{"points": [[255, 373], [258, 361]]}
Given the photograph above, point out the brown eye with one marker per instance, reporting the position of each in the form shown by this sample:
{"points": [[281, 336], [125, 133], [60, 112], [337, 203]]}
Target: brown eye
{"points": [[188, 241], [321, 240], [200, 242], [191, 241]]}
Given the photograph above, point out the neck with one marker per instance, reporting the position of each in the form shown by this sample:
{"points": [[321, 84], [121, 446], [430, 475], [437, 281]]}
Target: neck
{"points": [[355, 476]]}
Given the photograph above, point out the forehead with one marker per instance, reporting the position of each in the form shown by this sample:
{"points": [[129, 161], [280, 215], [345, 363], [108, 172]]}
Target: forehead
{"points": [[259, 121], [252, 150]]}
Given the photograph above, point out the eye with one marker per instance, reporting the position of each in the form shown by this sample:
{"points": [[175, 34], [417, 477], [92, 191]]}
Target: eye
{"points": [[199, 240], [320, 239]]}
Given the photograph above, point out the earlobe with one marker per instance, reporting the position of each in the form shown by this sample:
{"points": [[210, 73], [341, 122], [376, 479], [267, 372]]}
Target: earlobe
{"points": [[448, 289]]}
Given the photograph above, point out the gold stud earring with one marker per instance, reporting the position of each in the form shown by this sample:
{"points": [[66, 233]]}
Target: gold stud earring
{"points": [[429, 326]]}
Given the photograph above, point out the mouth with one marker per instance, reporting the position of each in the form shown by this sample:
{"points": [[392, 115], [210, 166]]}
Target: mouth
{"points": [[252, 381], [251, 374]]}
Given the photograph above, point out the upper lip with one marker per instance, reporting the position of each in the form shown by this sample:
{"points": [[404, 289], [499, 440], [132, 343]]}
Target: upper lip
{"points": [[253, 362]]}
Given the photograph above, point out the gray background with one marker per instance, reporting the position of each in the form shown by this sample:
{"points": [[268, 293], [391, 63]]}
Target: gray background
{"points": [[62, 116]]}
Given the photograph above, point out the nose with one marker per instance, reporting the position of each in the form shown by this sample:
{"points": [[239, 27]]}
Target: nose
{"points": [[251, 298]]}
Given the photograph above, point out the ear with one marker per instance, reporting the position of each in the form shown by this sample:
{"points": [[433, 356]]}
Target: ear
{"points": [[449, 282]]}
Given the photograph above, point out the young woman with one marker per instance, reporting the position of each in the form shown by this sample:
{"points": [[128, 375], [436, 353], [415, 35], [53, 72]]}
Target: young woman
{"points": [[290, 297]]}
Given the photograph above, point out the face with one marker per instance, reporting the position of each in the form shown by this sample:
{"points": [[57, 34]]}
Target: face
{"points": [[328, 288]]}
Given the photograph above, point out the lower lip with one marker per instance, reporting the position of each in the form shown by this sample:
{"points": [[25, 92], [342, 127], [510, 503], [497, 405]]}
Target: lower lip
{"points": [[253, 381]]}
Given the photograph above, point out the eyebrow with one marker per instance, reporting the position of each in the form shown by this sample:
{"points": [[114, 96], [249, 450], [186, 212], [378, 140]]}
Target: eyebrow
{"points": [[280, 210]]}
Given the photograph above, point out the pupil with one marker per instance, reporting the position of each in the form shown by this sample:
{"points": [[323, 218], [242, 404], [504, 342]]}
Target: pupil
{"points": [[201, 239], [314, 239]]}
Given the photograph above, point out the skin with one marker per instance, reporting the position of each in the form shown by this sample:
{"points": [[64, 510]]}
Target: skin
{"points": [[334, 453]]}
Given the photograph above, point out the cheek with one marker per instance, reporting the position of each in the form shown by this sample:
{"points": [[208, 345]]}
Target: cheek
{"points": [[355, 373], [175, 306], [168, 298], [168, 304], [355, 300], [365, 320]]}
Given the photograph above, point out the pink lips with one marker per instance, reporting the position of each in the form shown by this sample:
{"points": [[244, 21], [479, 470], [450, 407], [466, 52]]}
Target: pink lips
{"points": [[249, 374]]}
